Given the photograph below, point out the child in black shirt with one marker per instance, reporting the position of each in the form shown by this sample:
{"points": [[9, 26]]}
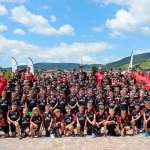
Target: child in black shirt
{"points": [[25, 123], [90, 120], [36, 122], [69, 121], [80, 119], [13, 118], [48, 120], [100, 119]]}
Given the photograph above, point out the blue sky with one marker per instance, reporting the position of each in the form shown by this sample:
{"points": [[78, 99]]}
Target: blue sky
{"points": [[101, 31]]}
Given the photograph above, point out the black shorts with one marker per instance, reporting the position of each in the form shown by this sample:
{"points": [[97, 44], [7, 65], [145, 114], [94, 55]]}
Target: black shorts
{"points": [[138, 124], [24, 127], [111, 129], [90, 129], [148, 124], [39, 125], [82, 124]]}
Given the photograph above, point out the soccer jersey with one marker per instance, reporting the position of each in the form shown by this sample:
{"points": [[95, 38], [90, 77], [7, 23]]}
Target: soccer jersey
{"points": [[14, 115], [69, 118], [47, 118], [36, 119], [90, 114]]}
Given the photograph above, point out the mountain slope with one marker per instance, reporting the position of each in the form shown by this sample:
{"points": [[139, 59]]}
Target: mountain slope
{"points": [[143, 60], [140, 59]]}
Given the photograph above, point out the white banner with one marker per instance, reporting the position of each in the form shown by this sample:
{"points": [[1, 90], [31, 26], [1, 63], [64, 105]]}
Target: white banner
{"points": [[30, 65], [131, 61], [14, 64]]}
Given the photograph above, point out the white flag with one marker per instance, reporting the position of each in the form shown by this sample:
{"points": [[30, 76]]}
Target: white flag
{"points": [[30, 65], [131, 61], [14, 64]]}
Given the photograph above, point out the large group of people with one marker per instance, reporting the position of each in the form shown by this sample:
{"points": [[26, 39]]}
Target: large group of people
{"points": [[62, 104]]}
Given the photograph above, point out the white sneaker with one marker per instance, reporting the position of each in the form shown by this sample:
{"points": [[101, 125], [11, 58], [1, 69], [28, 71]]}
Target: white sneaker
{"points": [[52, 136]]}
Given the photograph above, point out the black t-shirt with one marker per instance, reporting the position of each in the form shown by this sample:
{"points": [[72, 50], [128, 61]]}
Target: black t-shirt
{"points": [[91, 99], [147, 113], [52, 100], [136, 114], [131, 104], [100, 117], [65, 88], [36, 119], [81, 100], [81, 117], [25, 120], [72, 100], [42, 103], [69, 118], [4, 103], [62, 103], [13, 115], [31, 103], [90, 115], [123, 103], [47, 118]]}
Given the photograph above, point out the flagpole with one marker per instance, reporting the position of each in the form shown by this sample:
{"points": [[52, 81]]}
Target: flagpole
{"points": [[131, 61], [14, 64], [81, 61]]}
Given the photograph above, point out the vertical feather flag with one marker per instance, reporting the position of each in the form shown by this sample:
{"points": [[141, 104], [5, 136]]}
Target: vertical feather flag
{"points": [[14, 64], [30, 65], [131, 61]]}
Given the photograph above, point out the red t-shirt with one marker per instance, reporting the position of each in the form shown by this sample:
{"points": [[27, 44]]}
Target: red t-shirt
{"points": [[99, 77], [3, 83], [28, 76]]}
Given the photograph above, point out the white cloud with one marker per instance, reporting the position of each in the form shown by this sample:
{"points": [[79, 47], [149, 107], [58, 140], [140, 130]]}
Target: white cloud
{"points": [[3, 28], [97, 29], [61, 53], [38, 24], [118, 2], [3, 10], [123, 21], [146, 30], [132, 19], [117, 34], [19, 31], [66, 30], [53, 18], [141, 51], [45, 7], [110, 59]]}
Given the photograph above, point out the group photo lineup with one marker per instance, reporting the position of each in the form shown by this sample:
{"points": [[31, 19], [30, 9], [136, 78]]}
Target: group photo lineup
{"points": [[75, 103], [75, 74]]}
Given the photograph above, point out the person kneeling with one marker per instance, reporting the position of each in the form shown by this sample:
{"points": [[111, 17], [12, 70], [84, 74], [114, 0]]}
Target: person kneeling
{"points": [[3, 125], [25, 123], [58, 123], [69, 122], [100, 120], [80, 119], [124, 122], [13, 118], [112, 124], [48, 121], [36, 123], [146, 117], [91, 120]]}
